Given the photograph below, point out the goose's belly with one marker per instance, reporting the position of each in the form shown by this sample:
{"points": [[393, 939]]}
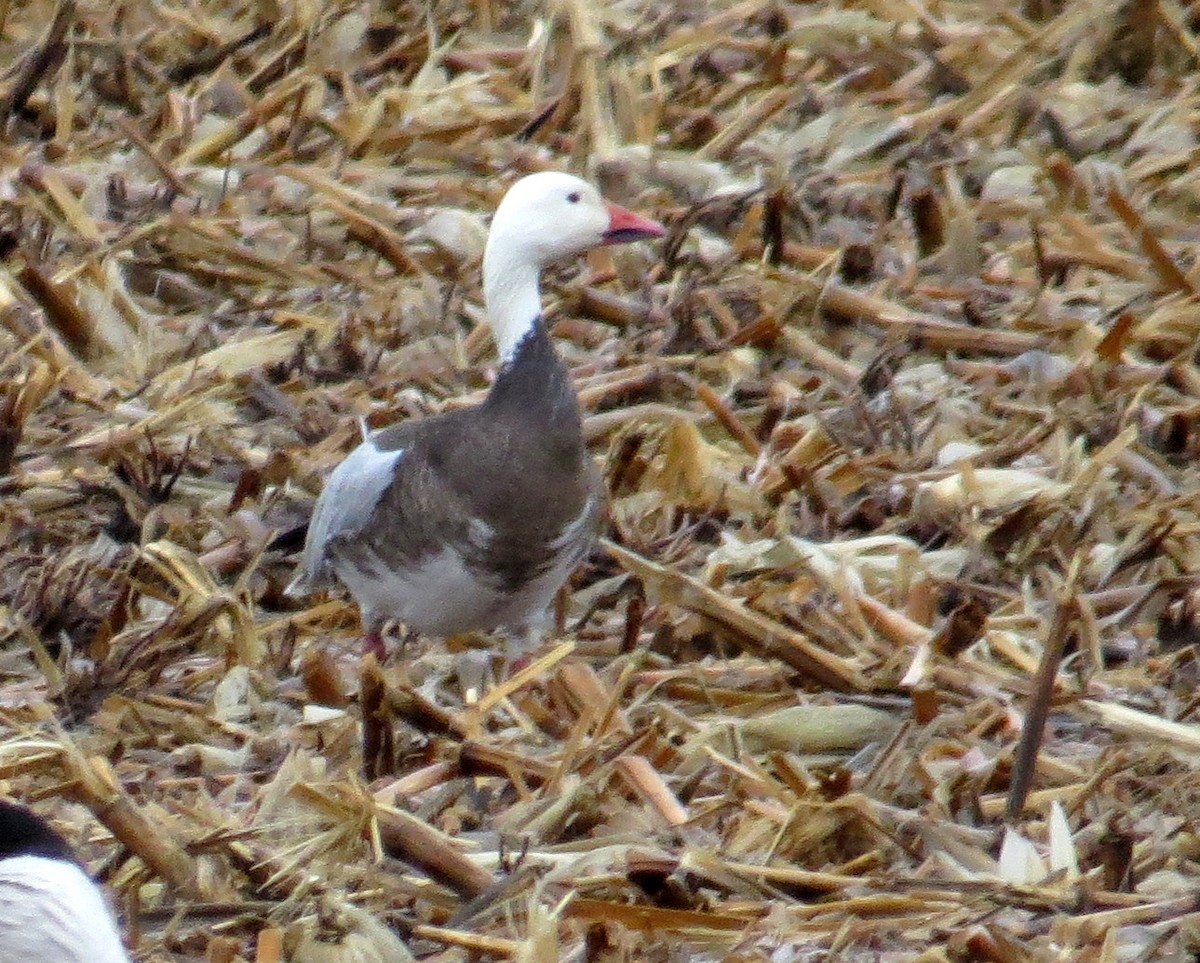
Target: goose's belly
{"points": [[443, 596]]}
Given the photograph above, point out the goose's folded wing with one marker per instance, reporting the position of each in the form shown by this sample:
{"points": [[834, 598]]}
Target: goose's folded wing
{"points": [[346, 506]]}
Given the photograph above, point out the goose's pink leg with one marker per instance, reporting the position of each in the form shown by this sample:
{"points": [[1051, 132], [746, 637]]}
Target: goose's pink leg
{"points": [[373, 645]]}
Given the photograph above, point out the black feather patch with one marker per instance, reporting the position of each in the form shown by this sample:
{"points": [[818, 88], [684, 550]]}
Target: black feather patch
{"points": [[24, 833]]}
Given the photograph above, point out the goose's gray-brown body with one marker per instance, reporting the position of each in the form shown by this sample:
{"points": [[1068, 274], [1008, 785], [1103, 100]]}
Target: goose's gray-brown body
{"points": [[467, 520]]}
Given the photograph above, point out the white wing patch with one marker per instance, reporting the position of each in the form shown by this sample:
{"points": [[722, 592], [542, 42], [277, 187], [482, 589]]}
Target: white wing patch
{"points": [[50, 912], [480, 533], [346, 505]]}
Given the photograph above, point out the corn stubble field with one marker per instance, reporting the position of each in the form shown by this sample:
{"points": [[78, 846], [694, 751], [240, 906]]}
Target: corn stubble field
{"points": [[890, 651]]}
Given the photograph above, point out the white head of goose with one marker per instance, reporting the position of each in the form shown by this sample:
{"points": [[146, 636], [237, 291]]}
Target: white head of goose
{"points": [[473, 519], [50, 910]]}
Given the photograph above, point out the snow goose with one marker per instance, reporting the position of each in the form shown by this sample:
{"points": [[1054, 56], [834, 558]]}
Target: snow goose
{"points": [[474, 518], [50, 910]]}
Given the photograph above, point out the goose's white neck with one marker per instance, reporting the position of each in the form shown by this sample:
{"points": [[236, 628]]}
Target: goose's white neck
{"points": [[511, 292]]}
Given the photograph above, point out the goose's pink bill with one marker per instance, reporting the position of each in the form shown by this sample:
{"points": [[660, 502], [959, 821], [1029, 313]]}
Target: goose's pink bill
{"points": [[624, 226]]}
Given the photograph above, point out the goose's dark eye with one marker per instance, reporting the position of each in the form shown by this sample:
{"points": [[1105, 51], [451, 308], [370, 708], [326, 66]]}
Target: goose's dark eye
{"points": [[573, 197]]}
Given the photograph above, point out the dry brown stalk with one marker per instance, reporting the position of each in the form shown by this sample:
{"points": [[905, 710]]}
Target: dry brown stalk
{"points": [[729, 421], [1025, 759], [649, 783], [479, 942], [61, 310], [927, 330], [536, 669], [410, 705], [95, 784], [38, 64], [892, 625], [748, 121], [1163, 264], [586, 691], [654, 918], [476, 759], [607, 306], [413, 841], [747, 628]]}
